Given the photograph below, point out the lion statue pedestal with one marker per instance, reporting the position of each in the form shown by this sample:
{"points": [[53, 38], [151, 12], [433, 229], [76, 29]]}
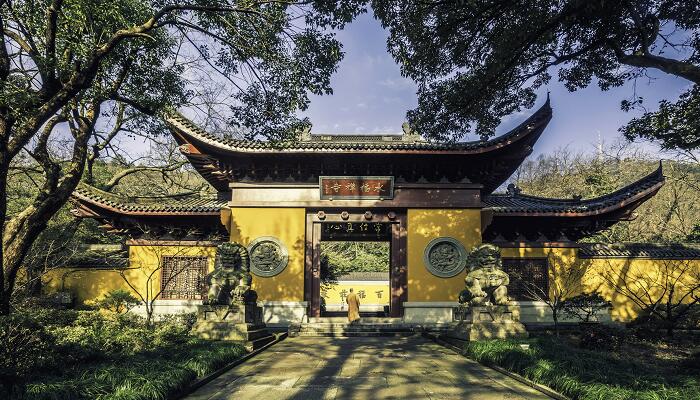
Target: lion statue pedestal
{"points": [[486, 312], [231, 311]]}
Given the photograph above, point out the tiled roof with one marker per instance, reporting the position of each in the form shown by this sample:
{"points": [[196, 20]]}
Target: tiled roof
{"points": [[173, 205], [518, 203], [180, 123], [641, 250], [99, 256]]}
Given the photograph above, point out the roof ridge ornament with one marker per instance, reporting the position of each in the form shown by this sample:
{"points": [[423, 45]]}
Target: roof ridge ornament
{"points": [[513, 190]]}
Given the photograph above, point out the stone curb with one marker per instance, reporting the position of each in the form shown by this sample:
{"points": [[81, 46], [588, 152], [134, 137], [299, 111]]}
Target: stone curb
{"points": [[208, 378], [541, 388]]}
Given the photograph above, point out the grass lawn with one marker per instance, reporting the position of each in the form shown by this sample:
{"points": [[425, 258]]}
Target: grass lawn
{"points": [[92, 355], [148, 375], [588, 374]]}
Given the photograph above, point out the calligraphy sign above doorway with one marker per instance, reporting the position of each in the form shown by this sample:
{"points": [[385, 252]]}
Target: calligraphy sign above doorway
{"points": [[356, 187]]}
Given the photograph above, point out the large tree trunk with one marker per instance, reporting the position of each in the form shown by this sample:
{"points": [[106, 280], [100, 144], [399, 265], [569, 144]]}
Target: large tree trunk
{"points": [[20, 232]]}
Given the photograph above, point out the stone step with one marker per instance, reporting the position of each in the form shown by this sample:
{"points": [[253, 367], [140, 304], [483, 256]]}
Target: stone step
{"points": [[380, 320], [386, 327], [353, 334], [254, 344], [356, 329]]}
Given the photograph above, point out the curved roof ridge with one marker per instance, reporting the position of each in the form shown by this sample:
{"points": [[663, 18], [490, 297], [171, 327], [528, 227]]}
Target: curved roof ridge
{"points": [[653, 177], [84, 188], [518, 203], [187, 203], [178, 121]]}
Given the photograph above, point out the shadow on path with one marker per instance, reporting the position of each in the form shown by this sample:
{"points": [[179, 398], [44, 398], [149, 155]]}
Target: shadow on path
{"points": [[362, 368]]}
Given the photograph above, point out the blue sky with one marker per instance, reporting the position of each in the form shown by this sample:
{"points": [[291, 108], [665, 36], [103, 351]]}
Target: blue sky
{"points": [[371, 96]]}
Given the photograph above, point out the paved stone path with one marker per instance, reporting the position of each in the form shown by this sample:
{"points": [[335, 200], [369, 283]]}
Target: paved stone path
{"points": [[362, 368]]}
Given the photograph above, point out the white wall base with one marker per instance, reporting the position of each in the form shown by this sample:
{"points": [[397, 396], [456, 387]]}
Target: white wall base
{"points": [[275, 313], [435, 312], [283, 313], [537, 312], [363, 307], [163, 307], [439, 312]]}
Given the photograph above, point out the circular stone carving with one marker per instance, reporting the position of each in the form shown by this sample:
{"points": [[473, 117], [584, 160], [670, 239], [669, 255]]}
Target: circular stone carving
{"points": [[268, 256], [445, 257]]}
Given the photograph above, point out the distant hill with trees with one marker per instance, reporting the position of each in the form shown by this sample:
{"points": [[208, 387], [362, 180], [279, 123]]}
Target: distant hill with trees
{"points": [[673, 215]]}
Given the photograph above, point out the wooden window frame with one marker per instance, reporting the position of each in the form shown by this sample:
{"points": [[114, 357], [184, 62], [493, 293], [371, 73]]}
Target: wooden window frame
{"points": [[514, 291], [194, 288]]}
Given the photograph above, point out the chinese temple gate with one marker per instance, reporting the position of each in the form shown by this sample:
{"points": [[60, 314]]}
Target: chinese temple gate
{"points": [[431, 201]]}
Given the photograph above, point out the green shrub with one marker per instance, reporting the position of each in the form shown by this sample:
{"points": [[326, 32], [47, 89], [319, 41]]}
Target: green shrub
{"points": [[585, 307], [24, 347], [118, 301], [586, 374], [693, 362], [168, 333], [602, 337]]}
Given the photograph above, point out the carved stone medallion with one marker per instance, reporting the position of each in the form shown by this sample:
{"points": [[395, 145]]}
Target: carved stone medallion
{"points": [[445, 257], [268, 256]]}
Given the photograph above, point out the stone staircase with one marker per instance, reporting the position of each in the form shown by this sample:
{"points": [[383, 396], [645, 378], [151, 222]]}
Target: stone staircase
{"points": [[339, 327]]}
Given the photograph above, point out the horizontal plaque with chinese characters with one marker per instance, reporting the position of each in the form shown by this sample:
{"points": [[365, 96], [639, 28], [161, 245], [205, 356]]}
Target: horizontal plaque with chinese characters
{"points": [[356, 187]]}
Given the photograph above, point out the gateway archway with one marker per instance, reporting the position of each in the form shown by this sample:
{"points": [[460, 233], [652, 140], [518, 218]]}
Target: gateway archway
{"points": [[356, 225]]}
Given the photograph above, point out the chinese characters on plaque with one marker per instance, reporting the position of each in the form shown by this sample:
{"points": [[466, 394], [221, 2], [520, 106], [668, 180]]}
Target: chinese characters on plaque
{"points": [[360, 293], [355, 231], [356, 187]]}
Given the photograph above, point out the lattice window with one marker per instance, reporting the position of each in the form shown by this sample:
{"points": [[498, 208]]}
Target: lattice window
{"points": [[523, 272], [183, 277]]}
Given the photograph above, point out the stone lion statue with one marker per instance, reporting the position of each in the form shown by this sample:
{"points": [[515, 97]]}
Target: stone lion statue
{"points": [[486, 283], [231, 279]]}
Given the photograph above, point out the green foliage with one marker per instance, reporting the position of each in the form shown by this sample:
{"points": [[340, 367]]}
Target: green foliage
{"points": [[477, 61], [118, 301], [584, 307], [674, 125], [663, 218], [24, 347], [583, 374], [91, 355], [602, 337], [340, 258]]}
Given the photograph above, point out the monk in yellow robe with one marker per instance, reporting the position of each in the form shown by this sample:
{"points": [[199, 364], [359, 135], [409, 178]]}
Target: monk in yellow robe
{"points": [[353, 307]]}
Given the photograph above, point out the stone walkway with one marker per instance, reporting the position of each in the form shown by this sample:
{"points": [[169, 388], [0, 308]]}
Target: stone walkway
{"points": [[362, 368]]}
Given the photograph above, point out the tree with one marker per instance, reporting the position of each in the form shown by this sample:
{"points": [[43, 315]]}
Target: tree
{"points": [[477, 61], [664, 290], [565, 281], [82, 72], [149, 281], [669, 216], [341, 258], [118, 301], [585, 307]]}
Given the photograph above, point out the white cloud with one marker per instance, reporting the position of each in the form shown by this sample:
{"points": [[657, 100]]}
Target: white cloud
{"points": [[397, 83]]}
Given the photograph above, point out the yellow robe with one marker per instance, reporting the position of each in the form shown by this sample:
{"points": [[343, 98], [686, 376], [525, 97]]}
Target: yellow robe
{"points": [[353, 307]]}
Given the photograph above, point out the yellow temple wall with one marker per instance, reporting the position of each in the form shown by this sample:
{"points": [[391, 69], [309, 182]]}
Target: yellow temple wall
{"points": [[633, 270], [425, 225], [369, 292], [88, 284], [289, 226]]}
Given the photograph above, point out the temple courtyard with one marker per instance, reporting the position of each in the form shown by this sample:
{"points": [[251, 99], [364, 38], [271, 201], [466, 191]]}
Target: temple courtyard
{"points": [[362, 368]]}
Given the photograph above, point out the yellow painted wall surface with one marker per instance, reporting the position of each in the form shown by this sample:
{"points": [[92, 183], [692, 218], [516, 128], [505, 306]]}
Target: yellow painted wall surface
{"points": [[289, 226], [426, 225], [88, 284], [369, 292], [637, 273]]}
